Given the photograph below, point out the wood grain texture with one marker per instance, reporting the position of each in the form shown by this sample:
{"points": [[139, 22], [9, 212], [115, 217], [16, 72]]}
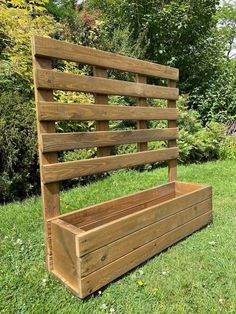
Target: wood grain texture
{"points": [[64, 251], [102, 235], [92, 213], [66, 141], [172, 164], [75, 290], [73, 169], [49, 192], [142, 102], [132, 209], [47, 47], [102, 125], [108, 273], [47, 79], [90, 247], [114, 250], [54, 111]]}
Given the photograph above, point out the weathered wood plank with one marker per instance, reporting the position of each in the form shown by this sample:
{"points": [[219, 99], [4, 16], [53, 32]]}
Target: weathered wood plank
{"points": [[54, 111], [108, 273], [55, 142], [102, 235], [114, 250], [73, 82], [47, 47], [73, 169]]}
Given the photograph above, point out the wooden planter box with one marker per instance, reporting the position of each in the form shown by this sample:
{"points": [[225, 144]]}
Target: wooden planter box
{"points": [[89, 248], [93, 246]]}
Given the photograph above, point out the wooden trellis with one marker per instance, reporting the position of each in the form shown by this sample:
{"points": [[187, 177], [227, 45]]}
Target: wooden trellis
{"points": [[90, 247]]}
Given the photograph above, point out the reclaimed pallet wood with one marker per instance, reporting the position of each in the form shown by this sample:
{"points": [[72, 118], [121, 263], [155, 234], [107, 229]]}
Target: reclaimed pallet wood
{"points": [[88, 248]]}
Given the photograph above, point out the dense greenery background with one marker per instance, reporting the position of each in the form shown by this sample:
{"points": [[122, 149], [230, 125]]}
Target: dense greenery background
{"points": [[196, 36]]}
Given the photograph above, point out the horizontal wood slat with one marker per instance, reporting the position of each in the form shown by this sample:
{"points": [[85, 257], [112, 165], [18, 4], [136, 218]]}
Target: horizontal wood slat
{"points": [[107, 254], [74, 169], [130, 210], [50, 48], [102, 235], [56, 80], [55, 142], [87, 215], [54, 111], [106, 274]]}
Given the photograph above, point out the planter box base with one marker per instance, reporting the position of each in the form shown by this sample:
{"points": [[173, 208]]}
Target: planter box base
{"points": [[93, 246]]}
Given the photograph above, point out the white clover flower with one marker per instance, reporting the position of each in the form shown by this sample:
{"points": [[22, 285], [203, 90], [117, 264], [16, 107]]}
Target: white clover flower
{"points": [[19, 241], [212, 243], [221, 301], [112, 310], [164, 273], [44, 282], [140, 272], [103, 306], [99, 292]]}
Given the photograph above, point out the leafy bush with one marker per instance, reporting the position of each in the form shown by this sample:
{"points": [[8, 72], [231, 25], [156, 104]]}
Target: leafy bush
{"points": [[196, 143], [202, 145], [217, 100], [228, 149], [18, 150]]}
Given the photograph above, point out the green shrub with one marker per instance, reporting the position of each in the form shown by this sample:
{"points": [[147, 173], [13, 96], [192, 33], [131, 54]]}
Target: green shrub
{"points": [[197, 143], [228, 148], [217, 100], [202, 145], [18, 150]]}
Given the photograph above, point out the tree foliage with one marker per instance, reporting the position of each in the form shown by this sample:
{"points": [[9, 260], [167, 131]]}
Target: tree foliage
{"points": [[197, 36], [20, 19], [227, 27], [177, 33]]}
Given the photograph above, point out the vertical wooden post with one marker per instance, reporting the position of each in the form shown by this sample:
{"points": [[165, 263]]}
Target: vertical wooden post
{"points": [[50, 192], [101, 99], [172, 164], [143, 103]]}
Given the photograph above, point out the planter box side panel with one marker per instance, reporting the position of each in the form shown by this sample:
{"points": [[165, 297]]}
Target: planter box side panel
{"points": [[65, 262]]}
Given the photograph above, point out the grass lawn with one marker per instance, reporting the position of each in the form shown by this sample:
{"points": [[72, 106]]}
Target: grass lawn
{"points": [[198, 275]]}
